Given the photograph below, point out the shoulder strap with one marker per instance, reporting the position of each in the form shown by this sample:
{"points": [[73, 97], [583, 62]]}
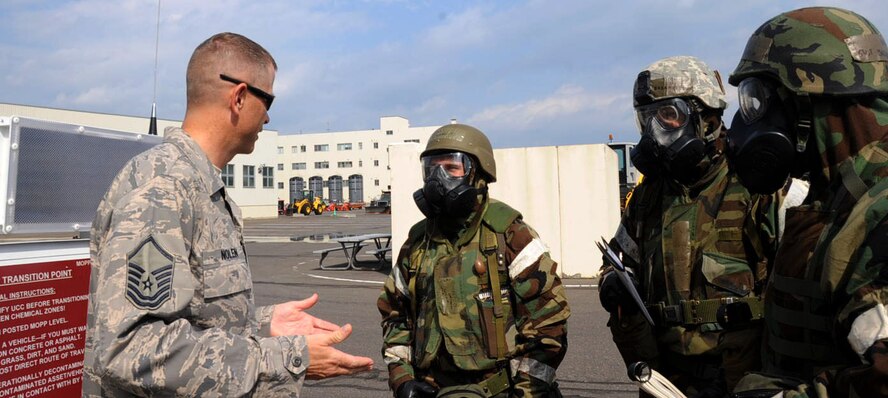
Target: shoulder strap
{"points": [[494, 259]]}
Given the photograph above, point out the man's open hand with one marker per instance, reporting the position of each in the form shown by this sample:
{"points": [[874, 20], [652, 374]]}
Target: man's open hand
{"points": [[326, 361], [290, 319]]}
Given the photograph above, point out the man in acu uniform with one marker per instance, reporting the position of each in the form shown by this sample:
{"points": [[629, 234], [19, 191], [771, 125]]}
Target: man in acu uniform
{"points": [[698, 244], [813, 87], [171, 308], [473, 306]]}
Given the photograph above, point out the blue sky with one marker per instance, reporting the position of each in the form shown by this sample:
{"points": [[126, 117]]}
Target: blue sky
{"points": [[528, 73]]}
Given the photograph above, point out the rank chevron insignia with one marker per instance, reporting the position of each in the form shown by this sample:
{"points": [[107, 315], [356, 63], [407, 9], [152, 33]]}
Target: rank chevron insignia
{"points": [[149, 275]]}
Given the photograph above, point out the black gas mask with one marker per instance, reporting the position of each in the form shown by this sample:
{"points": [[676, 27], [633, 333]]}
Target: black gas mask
{"points": [[448, 187], [763, 147], [670, 140]]}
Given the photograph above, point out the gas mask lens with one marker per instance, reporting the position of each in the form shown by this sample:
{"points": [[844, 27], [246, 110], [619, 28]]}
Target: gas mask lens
{"points": [[754, 95], [454, 165], [663, 119]]}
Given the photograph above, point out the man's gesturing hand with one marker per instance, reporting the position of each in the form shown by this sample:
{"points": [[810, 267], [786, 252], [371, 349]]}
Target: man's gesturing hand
{"points": [[290, 319], [326, 361]]}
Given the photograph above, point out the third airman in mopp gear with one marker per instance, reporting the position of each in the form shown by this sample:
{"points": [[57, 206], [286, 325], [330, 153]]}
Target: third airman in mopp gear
{"points": [[699, 244], [473, 306], [813, 86]]}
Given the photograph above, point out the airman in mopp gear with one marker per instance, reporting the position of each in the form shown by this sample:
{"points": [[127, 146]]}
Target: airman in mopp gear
{"points": [[813, 87], [698, 243], [474, 305]]}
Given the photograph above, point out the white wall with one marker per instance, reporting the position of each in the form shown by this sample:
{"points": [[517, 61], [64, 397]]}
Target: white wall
{"points": [[568, 194]]}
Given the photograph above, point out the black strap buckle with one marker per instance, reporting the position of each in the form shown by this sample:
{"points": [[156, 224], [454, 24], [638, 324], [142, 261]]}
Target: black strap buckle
{"points": [[734, 314]]}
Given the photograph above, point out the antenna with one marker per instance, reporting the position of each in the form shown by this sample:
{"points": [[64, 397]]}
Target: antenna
{"points": [[152, 126]]}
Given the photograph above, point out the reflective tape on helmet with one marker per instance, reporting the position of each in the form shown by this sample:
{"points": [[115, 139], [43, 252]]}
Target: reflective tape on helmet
{"points": [[397, 353], [533, 368], [528, 256], [869, 327], [400, 283]]}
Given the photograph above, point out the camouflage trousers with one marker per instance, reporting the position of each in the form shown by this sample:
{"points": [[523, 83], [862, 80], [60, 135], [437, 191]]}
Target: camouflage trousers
{"points": [[716, 372]]}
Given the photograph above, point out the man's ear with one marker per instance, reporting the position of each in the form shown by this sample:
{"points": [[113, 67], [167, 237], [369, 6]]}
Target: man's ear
{"points": [[237, 96]]}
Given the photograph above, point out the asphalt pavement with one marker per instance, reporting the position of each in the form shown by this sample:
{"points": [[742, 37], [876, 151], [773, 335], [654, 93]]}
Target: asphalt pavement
{"points": [[284, 268]]}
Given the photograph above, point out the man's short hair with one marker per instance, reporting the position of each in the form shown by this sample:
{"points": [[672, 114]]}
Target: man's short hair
{"points": [[228, 53]]}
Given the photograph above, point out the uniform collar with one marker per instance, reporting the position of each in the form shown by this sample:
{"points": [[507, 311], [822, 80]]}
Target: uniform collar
{"points": [[205, 169]]}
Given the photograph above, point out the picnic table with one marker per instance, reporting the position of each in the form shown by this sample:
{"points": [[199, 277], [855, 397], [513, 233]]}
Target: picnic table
{"points": [[351, 245]]}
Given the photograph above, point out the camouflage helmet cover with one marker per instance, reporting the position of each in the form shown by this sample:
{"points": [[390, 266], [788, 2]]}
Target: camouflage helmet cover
{"points": [[681, 76], [818, 50], [464, 138]]}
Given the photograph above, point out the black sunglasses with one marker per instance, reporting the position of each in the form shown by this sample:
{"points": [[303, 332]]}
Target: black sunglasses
{"points": [[264, 96]]}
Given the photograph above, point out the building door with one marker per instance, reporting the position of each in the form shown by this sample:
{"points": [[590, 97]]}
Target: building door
{"points": [[334, 184], [297, 184], [355, 188], [316, 185]]}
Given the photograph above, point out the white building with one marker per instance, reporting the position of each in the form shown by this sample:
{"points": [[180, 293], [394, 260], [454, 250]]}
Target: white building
{"points": [[351, 166], [354, 163]]}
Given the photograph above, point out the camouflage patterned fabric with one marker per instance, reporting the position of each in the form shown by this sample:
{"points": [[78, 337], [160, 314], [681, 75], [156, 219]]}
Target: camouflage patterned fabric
{"points": [[826, 323], [712, 240], [171, 308], [436, 306], [818, 50], [684, 76]]}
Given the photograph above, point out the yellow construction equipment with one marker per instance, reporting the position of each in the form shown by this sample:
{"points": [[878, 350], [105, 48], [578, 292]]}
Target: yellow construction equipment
{"points": [[306, 207]]}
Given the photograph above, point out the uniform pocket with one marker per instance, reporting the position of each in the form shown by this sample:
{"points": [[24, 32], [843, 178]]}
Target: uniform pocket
{"points": [[225, 277], [727, 276]]}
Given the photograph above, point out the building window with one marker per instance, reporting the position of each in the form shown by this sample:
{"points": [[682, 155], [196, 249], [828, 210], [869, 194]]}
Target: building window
{"points": [[293, 149], [389, 132], [268, 177], [322, 148], [344, 165], [376, 163], [298, 166], [228, 175], [322, 165], [344, 147], [413, 140], [280, 167], [360, 145], [302, 148], [360, 163], [249, 176], [375, 145], [376, 182], [280, 150], [280, 185]]}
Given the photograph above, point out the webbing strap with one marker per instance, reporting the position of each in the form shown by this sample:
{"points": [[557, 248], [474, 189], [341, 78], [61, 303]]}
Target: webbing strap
{"points": [[801, 319], [488, 247], [797, 286], [696, 312], [852, 182]]}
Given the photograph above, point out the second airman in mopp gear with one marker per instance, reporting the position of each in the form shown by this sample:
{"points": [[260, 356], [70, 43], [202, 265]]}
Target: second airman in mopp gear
{"points": [[698, 243], [813, 87], [473, 305]]}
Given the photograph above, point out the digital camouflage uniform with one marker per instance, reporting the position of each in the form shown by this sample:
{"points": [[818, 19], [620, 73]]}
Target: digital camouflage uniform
{"points": [[692, 250], [171, 297], [827, 325], [438, 312]]}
